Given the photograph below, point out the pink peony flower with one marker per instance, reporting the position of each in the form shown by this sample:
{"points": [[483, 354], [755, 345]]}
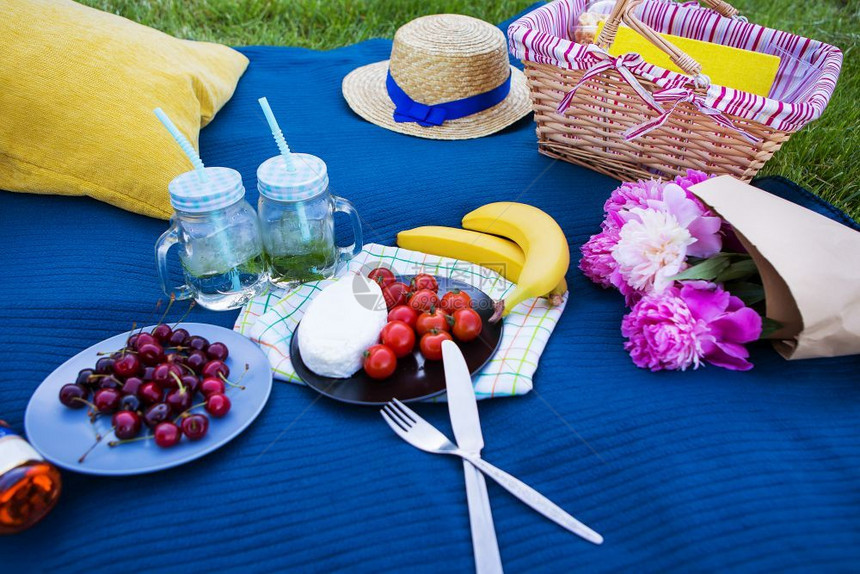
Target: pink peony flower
{"points": [[681, 327], [651, 249], [662, 333], [597, 262], [630, 195], [692, 177], [731, 324], [703, 226], [674, 198], [707, 240]]}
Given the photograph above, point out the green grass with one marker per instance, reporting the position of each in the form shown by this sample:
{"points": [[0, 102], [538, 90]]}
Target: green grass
{"points": [[821, 157]]}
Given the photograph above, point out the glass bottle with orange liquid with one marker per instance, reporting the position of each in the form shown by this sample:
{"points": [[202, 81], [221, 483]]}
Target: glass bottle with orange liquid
{"points": [[29, 486]]}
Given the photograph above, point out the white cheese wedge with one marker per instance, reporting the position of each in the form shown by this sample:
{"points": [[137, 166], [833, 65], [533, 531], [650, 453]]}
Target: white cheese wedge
{"points": [[341, 322]]}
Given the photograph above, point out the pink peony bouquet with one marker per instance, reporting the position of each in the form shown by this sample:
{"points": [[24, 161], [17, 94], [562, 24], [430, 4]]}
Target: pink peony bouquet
{"points": [[691, 288]]}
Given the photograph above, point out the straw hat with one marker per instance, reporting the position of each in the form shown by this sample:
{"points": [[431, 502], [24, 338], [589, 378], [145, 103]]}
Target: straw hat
{"points": [[442, 59]]}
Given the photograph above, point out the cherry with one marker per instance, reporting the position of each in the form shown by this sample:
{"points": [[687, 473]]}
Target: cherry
{"points": [[126, 424], [218, 351], [104, 366], [109, 382], [197, 342], [175, 359], [218, 405], [74, 395], [156, 414], [144, 339], [196, 360], [150, 353], [191, 383], [84, 377], [129, 403], [179, 400], [150, 393], [217, 369], [131, 342], [195, 426], [162, 333], [163, 375], [178, 337], [127, 365], [132, 385], [167, 435], [106, 400], [147, 373], [212, 386]]}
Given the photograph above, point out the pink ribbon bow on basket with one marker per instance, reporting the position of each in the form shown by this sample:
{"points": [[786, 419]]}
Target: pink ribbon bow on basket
{"points": [[675, 96], [607, 62]]}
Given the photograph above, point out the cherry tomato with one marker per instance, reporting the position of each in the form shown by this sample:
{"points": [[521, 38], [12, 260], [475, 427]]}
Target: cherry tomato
{"points": [[382, 275], [399, 337], [432, 319], [395, 294], [454, 300], [467, 325], [431, 344], [404, 313], [379, 362], [423, 300], [424, 281]]}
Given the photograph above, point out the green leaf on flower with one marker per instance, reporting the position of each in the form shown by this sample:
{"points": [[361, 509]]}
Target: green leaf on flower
{"points": [[743, 269], [769, 327], [707, 270], [749, 293]]}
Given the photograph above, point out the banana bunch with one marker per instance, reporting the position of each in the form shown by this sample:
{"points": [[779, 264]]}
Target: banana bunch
{"points": [[535, 256]]}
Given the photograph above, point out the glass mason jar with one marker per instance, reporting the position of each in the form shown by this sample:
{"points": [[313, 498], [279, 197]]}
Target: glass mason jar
{"points": [[220, 246], [296, 213]]}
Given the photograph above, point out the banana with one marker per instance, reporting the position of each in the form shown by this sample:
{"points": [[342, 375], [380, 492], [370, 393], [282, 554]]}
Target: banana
{"points": [[547, 255], [501, 255]]}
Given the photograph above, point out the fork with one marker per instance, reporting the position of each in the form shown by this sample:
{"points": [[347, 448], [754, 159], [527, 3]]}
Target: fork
{"points": [[424, 436]]}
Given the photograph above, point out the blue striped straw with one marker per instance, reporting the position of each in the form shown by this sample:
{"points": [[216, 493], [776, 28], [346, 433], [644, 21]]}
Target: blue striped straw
{"points": [[288, 162], [183, 142], [192, 155], [279, 135]]}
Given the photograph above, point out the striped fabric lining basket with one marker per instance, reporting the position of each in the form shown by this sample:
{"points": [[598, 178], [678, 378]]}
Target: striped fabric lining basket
{"points": [[628, 119]]}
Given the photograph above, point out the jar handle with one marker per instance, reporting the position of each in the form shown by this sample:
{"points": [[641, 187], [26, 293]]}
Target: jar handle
{"points": [[167, 240], [345, 206]]}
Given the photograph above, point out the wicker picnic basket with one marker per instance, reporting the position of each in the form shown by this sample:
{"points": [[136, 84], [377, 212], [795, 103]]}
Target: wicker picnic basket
{"points": [[629, 119]]}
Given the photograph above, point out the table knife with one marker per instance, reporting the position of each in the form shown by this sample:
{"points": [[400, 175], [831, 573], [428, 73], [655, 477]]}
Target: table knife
{"points": [[463, 409]]}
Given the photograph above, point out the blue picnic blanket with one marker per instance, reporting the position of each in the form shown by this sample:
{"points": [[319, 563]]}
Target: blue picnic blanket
{"points": [[698, 471]]}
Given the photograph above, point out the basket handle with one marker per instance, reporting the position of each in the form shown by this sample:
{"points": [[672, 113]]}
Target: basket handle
{"points": [[722, 7], [623, 12]]}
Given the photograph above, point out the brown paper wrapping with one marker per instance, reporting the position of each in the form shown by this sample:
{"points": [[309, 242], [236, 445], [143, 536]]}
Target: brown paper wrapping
{"points": [[809, 265]]}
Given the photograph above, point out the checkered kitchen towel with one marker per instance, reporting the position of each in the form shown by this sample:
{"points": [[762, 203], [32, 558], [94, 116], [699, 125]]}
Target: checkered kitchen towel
{"points": [[269, 320]]}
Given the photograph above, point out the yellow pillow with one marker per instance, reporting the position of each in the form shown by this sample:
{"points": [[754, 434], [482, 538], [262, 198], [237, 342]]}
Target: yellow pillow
{"points": [[77, 90], [745, 70]]}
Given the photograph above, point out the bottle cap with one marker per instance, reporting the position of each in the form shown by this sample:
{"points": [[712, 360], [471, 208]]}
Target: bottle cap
{"points": [[223, 187], [308, 178]]}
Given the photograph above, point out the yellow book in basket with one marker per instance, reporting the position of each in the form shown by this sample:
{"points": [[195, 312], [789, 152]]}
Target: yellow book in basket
{"points": [[745, 70]]}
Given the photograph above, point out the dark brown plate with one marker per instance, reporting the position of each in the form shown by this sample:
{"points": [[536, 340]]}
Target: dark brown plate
{"points": [[415, 379]]}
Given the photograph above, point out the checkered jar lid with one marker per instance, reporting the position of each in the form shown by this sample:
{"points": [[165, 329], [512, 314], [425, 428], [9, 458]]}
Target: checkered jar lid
{"points": [[222, 188], [308, 178]]}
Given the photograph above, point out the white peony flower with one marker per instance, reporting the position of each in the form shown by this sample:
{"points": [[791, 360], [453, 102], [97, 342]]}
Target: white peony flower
{"points": [[652, 248]]}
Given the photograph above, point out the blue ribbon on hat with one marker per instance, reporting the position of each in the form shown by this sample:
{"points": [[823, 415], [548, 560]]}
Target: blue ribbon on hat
{"points": [[408, 110]]}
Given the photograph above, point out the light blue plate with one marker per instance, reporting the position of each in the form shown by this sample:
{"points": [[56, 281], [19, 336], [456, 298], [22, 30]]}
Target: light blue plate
{"points": [[62, 435]]}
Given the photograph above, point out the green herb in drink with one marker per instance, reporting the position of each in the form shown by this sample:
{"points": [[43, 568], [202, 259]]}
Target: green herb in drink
{"points": [[301, 267]]}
